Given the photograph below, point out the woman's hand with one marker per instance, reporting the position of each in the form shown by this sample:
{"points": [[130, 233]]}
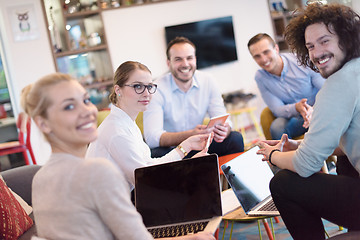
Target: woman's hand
{"points": [[197, 143]]}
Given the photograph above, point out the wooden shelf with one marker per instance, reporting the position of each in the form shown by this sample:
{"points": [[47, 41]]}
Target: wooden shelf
{"points": [[73, 33], [81, 14], [97, 85], [81, 50], [280, 20], [145, 2]]}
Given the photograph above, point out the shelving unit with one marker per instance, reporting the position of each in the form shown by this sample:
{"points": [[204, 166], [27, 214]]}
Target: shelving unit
{"points": [[281, 17], [78, 41], [280, 21]]}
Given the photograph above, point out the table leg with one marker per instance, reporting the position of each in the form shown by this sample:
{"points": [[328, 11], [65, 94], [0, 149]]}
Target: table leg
{"points": [[258, 221], [272, 228], [232, 227], [268, 230], [225, 227]]}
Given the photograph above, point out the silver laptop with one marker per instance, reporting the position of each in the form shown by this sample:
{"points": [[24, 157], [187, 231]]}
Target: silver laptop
{"points": [[249, 177], [179, 198]]}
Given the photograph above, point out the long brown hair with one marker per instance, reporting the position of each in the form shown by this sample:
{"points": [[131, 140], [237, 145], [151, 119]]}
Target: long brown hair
{"points": [[122, 75]]}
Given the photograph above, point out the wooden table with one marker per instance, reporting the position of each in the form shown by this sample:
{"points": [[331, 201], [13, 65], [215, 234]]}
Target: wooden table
{"points": [[239, 215]]}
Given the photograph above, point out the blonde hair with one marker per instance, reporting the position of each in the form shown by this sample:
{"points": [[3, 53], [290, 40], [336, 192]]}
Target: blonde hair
{"points": [[122, 75], [34, 99]]}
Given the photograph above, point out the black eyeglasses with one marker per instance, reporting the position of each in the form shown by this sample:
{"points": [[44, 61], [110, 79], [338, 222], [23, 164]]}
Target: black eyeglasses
{"points": [[140, 88]]}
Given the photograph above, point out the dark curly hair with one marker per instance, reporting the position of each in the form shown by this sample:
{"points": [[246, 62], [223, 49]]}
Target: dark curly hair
{"points": [[339, 18]]}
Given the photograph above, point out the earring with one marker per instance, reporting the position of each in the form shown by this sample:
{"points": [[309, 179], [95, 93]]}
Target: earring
{"points": [[119, 95]]}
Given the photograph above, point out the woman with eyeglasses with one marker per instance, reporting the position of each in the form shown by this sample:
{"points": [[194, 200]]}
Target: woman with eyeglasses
{"points": [[120, 139], [74, 197]]}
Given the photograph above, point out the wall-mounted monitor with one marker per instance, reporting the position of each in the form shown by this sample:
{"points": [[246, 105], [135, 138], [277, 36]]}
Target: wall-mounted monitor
{"points": [[214, 40]]}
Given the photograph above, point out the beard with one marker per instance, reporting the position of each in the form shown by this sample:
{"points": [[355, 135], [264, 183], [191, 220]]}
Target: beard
{"points": [[178, 76], [325, 73]]}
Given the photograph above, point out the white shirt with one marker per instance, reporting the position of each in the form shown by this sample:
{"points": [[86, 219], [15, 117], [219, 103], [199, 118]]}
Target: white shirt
{"points": [[120, 140], [172, 110]]}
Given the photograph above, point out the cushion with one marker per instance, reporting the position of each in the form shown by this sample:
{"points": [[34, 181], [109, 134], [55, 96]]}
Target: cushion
{"points": [[13, 219], [25, 206]]}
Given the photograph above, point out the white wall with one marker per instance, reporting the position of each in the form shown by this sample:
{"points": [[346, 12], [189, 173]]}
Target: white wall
{"points": [[137, 33], [26, 61], [143, 38], [356, 5]]}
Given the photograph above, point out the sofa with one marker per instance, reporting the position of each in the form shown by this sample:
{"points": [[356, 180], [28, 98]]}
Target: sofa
{"points": [[19, 180]]}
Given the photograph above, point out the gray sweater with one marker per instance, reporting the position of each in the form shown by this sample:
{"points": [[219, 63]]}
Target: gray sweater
{"points": [[335, 122], [75, 198]]}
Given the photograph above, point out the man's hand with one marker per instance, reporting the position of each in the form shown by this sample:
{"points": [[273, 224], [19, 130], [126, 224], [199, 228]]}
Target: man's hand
{"points": [[221, 132], [201, 129], [305, 110], [285, 144]]}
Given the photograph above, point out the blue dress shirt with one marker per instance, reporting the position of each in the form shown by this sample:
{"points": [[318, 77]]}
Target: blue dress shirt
{"points": [[280, 93]]}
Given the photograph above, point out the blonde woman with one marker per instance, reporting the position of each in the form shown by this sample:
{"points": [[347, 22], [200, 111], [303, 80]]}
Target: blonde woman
{"points": [[76, 197]]}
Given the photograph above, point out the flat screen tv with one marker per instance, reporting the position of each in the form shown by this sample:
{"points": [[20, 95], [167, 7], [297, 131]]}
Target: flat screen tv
{"points": [[214, 40]]}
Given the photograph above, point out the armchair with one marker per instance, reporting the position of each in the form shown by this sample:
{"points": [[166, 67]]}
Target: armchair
{"points": [[266, 118]]}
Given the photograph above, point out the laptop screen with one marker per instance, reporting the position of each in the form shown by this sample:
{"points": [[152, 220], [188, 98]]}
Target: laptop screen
{"points": [[249, 177], [179, 191]]}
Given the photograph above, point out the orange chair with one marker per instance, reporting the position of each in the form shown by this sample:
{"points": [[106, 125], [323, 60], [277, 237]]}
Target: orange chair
{"points": [[23, 144]]}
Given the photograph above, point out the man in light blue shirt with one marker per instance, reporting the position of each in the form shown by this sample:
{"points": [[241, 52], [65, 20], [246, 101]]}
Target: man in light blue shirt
{"points": [[184, 97], [288, 89]]}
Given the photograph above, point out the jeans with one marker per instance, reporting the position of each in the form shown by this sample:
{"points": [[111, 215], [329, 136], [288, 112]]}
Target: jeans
{"points": [[302, 202], [234, 143], [292, 127]]}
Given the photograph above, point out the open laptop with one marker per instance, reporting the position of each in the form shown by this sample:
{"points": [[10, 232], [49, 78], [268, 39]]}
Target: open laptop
{"points": [[178, 198], [249, 177]]}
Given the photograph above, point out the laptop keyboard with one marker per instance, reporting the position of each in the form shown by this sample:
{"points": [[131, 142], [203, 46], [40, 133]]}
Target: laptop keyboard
{"points": [[178, 230], [269, 206]]}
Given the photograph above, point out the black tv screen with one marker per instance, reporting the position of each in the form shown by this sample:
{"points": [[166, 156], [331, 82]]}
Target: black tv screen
{"points": [[214, 40]]}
